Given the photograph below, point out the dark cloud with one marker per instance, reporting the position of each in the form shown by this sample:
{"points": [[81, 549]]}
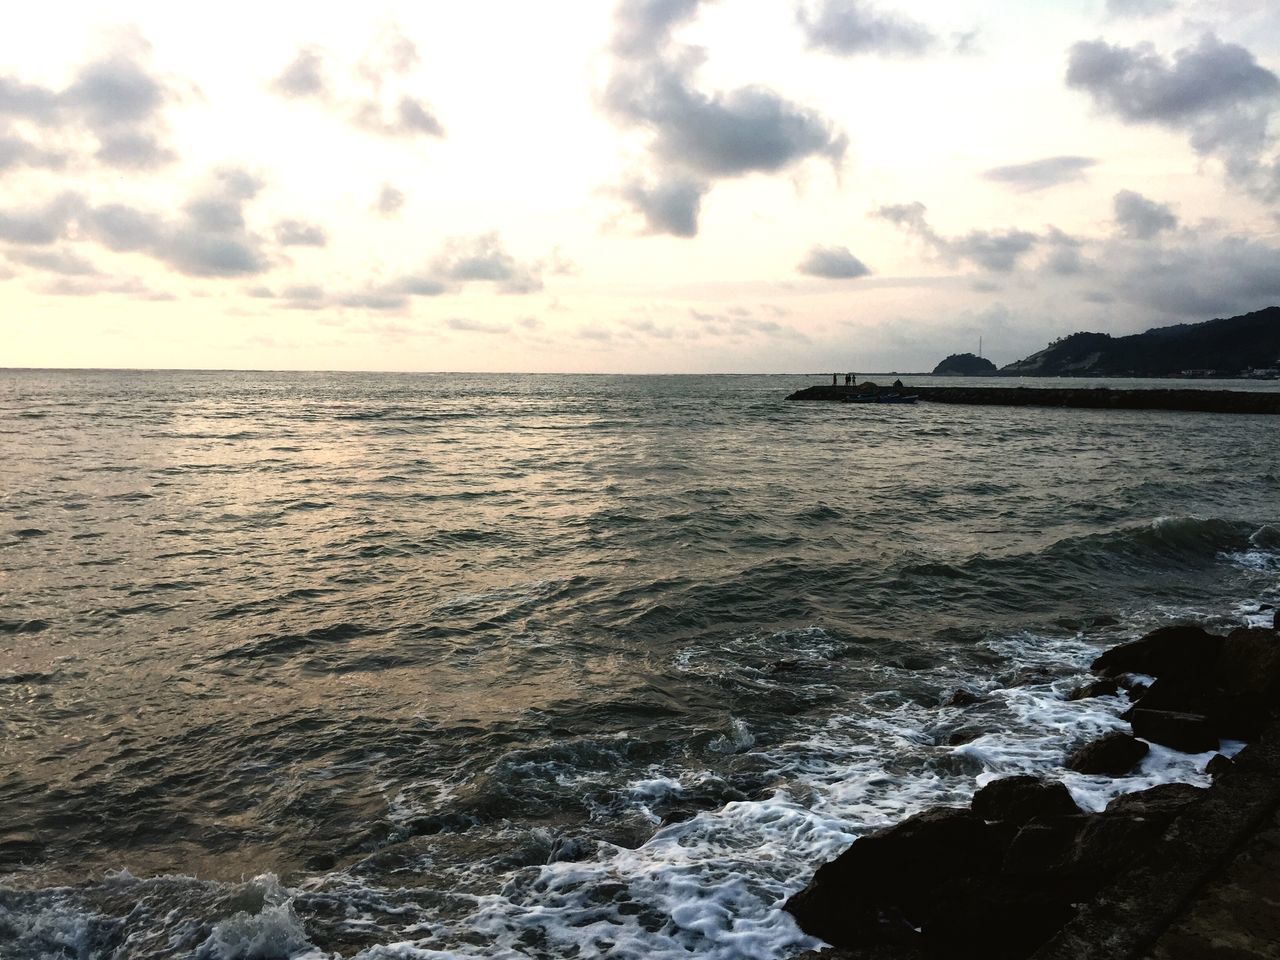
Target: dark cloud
{"points": [[43, 225], [93, 286], [390, 201], [1065, 258], [419, 286], [116, 100], [834, 263], [667, 206], [695, 137], [995, 250], [16, 151], [643, 26], [1140, 218], [298, 233], [1197, 276], [409, 117], [305, 77], [1041, 174], [64, 262], [1215, 92], [378, 110], [849, 27], [484, 258], [741, 323], [1138, 84], [475, 326], [382, 299], [208, 239], [1139, 8], [747, 130]]}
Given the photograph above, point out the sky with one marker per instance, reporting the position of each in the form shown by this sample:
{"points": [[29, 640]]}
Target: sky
{"points": [[679, 186]]}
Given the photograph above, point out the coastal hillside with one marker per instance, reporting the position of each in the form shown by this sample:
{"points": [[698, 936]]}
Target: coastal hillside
{"points": [[1235, 346]]}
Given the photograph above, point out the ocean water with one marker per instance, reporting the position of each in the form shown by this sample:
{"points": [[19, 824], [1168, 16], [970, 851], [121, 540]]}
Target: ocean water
{"points": [[428, 666]]}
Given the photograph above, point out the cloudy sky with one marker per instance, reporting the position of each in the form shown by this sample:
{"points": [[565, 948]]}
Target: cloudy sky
{"points": [[648, 186]]}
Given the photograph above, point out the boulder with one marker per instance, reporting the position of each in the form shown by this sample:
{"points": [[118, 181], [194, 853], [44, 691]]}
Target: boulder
{"points": [[1188, 732], [1106, 687], [1113, 754], [1219, 765], [1021, 799], [1182, 648]]}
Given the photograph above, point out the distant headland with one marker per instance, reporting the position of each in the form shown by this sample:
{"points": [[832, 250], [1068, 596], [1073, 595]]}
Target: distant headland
{"points": [[1243, 346]]}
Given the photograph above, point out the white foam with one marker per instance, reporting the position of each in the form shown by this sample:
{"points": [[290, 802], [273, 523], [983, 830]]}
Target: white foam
{"points": [[270, 933]]}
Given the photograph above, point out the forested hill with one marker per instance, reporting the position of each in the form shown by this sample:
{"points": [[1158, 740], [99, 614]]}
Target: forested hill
{"points": [[1228, 347]]}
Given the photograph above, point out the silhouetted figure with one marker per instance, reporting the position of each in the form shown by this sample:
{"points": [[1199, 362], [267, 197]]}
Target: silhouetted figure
{"points": [[833, 379]]}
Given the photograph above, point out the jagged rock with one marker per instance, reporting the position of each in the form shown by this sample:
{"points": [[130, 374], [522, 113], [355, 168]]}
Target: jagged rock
{"points": [[1098, 688], [1105, 847], [1188, 732], [1042, 846], [1183, 648], [1113, 754], [1021, 799], [1162, 803]]}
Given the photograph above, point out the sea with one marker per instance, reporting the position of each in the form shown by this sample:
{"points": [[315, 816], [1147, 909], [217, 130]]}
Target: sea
{"points": [[321, 665]]}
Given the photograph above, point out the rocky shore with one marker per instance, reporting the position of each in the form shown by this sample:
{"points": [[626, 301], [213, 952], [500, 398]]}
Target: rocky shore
{"points": [[1202, 401], [1023, 872]]}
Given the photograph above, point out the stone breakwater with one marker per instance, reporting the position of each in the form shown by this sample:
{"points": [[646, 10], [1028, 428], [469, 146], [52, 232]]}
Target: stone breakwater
{"points": [[1024, 873], [1102, 398]]}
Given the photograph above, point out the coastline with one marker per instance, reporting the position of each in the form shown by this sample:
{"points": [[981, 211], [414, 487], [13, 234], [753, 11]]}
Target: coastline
{"points": [[1024, 874]]}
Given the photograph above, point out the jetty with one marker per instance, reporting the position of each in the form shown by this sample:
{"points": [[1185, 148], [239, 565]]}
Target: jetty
{"points": [[1099, 398]]}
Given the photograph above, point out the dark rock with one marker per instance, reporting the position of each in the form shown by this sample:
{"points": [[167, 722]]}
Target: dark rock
{"points": [[1219, 765], [1188, 732], [1113, 754], [1042, 846], [1183, 693], [1238, 714], [1021, 799], [1137, 691], [878, 888], [1105, 847], [1250, 663], [1098, 688], [992, 919], [1183, 648], [1163, 802], [964, 735], [963, 698]]}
